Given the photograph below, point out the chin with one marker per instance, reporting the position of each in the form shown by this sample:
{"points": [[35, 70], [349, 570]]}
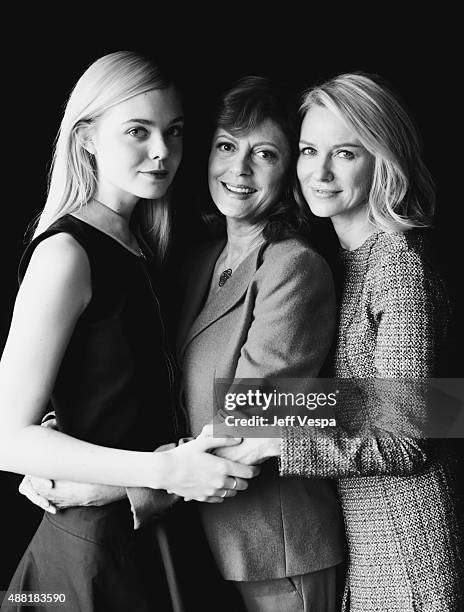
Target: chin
{"points": [[152, 194], [317, 212], [231, 211]]}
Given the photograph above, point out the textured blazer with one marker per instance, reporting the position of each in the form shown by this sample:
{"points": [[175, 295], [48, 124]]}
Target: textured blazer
{"points": [[402, 497], [273, 318]]}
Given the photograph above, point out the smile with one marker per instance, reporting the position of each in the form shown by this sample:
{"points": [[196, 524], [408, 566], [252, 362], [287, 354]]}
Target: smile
{"points": [[239, 189], [325, 193]]}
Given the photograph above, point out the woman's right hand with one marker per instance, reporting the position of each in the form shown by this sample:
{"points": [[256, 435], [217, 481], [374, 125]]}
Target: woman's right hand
{"points": [[53, 495], [194, 473]]}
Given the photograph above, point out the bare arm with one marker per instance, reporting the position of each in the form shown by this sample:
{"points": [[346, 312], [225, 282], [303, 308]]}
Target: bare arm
{"points": [[54, 293]]}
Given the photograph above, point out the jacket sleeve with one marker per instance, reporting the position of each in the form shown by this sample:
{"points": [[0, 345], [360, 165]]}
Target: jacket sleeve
{"points": [[409, 308], [147, 504]]}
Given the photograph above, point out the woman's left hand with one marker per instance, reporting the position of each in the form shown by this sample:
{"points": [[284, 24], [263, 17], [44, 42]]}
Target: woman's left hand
{"points": [[251, 451]]}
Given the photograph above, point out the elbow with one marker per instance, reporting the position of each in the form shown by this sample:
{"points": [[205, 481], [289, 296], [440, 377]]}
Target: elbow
{"points": [[393, 456], [413, 455]]}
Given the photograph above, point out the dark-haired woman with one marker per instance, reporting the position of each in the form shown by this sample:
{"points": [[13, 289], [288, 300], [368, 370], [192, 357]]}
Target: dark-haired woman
{"points": [[260, 305]]}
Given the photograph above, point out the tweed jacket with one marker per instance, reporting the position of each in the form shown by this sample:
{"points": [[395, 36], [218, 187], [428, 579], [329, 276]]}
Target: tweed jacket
{"points": [[400, 496], [274, 317]]}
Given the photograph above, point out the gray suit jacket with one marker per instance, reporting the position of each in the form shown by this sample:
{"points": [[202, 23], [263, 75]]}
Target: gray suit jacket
{"points": [[274, 318]]}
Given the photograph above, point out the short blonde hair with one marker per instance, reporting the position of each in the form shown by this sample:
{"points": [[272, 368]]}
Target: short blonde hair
{"points": [[110, 80], [402, 194]]}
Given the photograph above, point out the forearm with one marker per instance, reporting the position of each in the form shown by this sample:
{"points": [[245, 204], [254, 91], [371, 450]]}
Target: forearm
{"points": [[40, 451], [332, 456]]}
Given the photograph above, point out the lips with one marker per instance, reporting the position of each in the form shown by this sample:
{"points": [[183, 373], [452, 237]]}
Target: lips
{"points": [[325, 193], [156, 174], [239, 189]]}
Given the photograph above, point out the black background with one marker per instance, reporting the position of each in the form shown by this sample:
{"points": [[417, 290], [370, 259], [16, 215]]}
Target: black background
{"points": [[206, 51]]}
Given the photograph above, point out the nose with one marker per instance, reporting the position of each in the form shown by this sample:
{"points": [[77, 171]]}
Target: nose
{"points": [[323, 170], [157, 147], [241, 165]]}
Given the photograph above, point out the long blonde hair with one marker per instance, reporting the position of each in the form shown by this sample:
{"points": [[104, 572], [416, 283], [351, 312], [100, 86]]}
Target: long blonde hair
{"points": [[402, 194], [110, 80]]}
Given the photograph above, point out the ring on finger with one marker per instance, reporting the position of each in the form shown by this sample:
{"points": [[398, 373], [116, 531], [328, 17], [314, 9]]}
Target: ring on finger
{"points": [[224, 494], [234, 486]]}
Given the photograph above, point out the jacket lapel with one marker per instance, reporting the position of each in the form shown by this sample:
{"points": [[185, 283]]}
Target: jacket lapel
{"points": [[223, 300], [196, 288]]}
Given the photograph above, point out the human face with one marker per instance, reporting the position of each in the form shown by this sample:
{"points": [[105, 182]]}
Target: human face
{"points": [[138, 147], [246, 171], [334, 169]]}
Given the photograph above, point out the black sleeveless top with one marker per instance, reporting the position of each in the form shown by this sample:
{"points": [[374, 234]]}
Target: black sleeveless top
{"points": [[115, 383]]}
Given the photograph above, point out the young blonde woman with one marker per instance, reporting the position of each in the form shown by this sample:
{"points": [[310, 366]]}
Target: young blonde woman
{"points": [[87, 334]]}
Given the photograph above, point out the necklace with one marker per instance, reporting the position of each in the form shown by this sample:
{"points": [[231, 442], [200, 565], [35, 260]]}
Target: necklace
{"points": [[227, 273], [137, 249]]}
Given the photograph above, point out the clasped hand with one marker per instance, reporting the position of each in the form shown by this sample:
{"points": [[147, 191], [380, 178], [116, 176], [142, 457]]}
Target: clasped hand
{"points": [[195, 473], [250, 451]]}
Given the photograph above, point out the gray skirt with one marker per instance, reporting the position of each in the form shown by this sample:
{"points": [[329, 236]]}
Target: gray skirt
{"points": [[94, 558]]}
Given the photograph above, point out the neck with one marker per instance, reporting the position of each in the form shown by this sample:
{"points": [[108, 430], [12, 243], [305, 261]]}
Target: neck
{"points": [[354, 230], [109, 220], [241, 239], [124, 213]]}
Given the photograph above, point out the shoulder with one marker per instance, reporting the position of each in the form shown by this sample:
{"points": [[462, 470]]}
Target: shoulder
{"points": [[60, 251], [67, 237], [402, 265], [292, 266], [293, 254], [401, 249], [58, 262], [404, 256]]}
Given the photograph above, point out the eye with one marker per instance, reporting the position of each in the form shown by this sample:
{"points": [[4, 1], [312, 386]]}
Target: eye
{"points": [[266, 154], [308, 151], [138, 132], [345, 154], [176, 131], [225, 147]]}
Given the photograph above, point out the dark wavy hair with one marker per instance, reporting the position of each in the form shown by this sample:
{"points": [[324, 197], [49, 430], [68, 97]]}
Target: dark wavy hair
{"points": [[242, 108]]}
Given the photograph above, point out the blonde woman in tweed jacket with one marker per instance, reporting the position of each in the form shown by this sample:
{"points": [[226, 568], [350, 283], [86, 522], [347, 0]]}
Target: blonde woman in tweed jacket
{"points": [[360, 165]]}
